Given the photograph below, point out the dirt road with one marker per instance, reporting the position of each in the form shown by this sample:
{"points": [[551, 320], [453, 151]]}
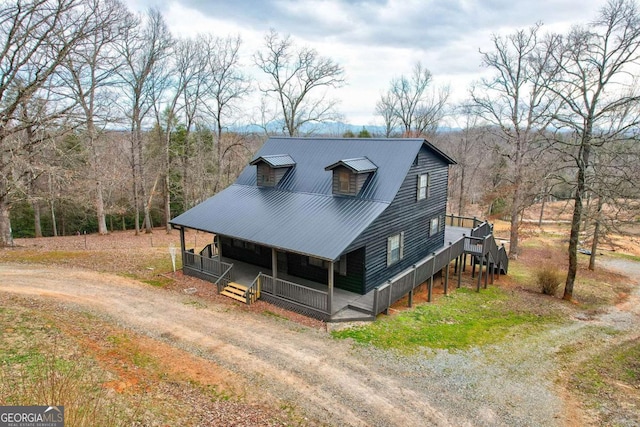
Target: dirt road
{"points": [[329, 380], [305, 367]]}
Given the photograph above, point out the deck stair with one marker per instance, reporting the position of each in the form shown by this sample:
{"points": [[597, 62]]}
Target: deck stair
{"points": [[236, 291]]}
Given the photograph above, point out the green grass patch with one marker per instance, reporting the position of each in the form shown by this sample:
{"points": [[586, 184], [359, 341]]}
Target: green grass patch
{"points": [[43, 257], [624, 256], [271, 314], [519, 273], [620, 364], [460, 321], [610, 383], [158, 282]]}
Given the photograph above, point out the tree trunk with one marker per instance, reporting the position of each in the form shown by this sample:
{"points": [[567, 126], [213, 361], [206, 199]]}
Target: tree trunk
{"points": [[515, 222], [143, 191], [167, 190], [596, 236], [544, 200], [52, 207], [461, 201], [6, 236], [53, 218], [134, 176], [574, 235], [167, 203], [102, 219], [37, 223], [92, 135]]}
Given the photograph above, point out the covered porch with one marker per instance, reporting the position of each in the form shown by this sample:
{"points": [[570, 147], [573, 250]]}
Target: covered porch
{"points": [[270, 274], [277, 277]]}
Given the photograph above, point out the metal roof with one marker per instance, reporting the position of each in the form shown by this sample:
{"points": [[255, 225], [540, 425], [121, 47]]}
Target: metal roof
{"points": [[358, 165], [311, 224], [302, 215], [275, 160]]}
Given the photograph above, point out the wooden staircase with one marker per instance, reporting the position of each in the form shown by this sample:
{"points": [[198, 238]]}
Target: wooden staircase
{"points": [[236, 291]]}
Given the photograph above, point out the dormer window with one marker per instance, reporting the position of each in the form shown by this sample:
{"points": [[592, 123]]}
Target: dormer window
{"points": [[344, 180], [351, 175], [271, 169]]}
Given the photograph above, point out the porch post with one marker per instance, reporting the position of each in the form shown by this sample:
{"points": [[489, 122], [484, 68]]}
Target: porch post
{"points": [[218, 244], [182, 245], [274, 263], [330, 292]]}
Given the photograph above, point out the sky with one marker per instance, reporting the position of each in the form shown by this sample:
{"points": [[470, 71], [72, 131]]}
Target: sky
{"points": [[376, 40]]}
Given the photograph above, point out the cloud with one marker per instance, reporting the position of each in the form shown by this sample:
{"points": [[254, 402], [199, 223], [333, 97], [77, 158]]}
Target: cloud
{"points": [[376, 40]]}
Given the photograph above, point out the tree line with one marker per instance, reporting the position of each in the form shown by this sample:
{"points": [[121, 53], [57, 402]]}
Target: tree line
{"points": [[106, 117]]}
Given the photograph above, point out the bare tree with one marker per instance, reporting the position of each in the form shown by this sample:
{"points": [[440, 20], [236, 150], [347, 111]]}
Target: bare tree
{"points": [[468, 147], [145, 48], [597, 64], [518, 105], [413, 103], [36, 37], [168, 89], [226, 86], [91, 76], [296, 75], [386, 108]]}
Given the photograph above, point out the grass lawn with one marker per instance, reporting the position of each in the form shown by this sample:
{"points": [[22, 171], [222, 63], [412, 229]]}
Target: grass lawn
{"points": [[462, 320]]}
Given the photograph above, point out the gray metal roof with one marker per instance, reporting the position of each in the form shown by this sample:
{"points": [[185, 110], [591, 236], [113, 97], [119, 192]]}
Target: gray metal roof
{"points": [[275, 160], [358, 165], [301, 214], [312, 224]]}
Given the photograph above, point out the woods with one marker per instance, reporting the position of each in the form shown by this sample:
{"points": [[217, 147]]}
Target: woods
{"points": [[110, 121]]}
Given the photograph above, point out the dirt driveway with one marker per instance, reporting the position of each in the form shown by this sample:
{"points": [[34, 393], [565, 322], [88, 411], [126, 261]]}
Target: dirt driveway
{"points": [[331, 381]]}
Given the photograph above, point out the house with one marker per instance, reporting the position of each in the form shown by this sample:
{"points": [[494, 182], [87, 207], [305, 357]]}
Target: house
{"points": [[317, 219]]}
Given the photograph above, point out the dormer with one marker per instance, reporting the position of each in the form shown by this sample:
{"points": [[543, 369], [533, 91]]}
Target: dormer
{"points": [[271, 169], [350, 175]]}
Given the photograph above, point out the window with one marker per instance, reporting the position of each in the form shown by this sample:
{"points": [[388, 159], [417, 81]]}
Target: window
{"points": [[395, 248], [434, 226], [424, 186], [344, 178]]}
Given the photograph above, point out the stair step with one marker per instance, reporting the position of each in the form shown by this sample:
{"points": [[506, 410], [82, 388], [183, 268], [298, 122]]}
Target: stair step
{"points": [[235, 291], [236, 297], [237, 286]]}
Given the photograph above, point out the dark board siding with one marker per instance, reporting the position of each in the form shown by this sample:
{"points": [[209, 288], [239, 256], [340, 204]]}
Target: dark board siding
{"points": [[406, 214], [352, 282], [260, 256]]}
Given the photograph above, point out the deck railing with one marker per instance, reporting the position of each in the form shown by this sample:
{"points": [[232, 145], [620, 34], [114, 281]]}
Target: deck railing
{"points": [[253, 292], [208, 267], [385, 295], [301, 297], [480, 243], [224, 279], [462, 221]]}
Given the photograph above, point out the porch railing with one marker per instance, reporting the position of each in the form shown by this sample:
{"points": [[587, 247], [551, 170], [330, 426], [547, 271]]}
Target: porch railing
{"points": [[297, 297], [253, 292], [208, 267], [462, 221], [224, 279]]}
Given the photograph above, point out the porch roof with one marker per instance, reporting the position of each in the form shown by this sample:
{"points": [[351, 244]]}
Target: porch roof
{"points": [[318, 225]]}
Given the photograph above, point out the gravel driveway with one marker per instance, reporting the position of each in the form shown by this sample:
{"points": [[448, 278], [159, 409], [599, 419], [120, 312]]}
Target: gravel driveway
{"points": [[332, 381]]}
